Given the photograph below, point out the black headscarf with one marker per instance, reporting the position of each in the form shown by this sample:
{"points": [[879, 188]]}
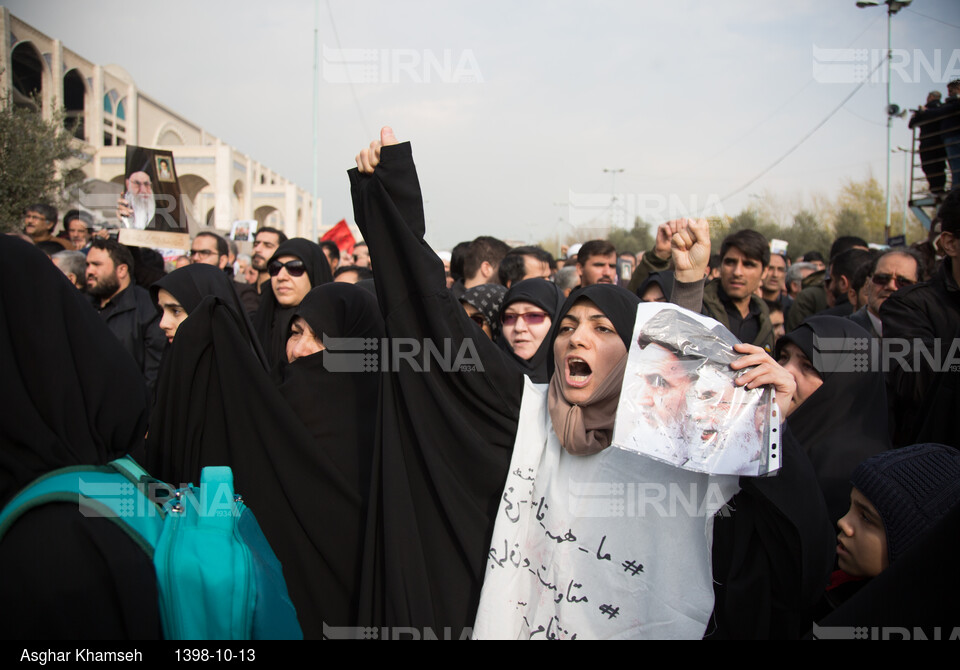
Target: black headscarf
{"points": [[338, 407], [192, 283], [272, 320], [71, 396], [616, 303], [216, 405], [844, 421], [548, 297], [663, 279]]}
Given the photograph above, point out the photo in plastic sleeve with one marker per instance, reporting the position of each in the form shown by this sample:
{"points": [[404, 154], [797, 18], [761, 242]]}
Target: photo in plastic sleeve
{"points": [[679, 403], [241, 230]]}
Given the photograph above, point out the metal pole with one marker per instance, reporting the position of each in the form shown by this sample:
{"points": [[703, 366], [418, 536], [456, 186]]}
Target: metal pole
{"points": [[907, 160], [316, 110], [889, 117]]}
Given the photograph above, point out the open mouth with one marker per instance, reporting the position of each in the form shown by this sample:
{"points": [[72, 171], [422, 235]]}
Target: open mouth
{"points": [[578, 372], [708, 434]]}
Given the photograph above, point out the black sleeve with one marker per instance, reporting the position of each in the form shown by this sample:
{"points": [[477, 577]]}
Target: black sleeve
{"points": [[414, 299], [773, 550], [445, 434]]}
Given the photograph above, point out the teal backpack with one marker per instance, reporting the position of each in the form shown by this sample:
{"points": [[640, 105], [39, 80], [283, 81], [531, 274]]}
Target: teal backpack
{"points": [[217, 577]]}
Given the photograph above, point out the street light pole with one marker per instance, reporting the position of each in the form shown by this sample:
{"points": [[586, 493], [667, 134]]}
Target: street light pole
{"points": [[893, 6]]}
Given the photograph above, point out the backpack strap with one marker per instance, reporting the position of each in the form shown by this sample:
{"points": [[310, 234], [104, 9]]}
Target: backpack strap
{"points": [[119, 493]]}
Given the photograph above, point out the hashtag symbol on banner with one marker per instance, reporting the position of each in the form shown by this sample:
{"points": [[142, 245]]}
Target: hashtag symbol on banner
{"points": [[632, 567], [610, 611]]}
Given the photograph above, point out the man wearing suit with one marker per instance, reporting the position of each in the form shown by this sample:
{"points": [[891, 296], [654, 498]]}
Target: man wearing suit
{"points": [[890, 272]]}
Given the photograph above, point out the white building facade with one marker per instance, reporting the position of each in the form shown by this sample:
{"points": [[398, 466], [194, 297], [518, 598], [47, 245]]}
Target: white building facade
{"points": [[106, 111]]}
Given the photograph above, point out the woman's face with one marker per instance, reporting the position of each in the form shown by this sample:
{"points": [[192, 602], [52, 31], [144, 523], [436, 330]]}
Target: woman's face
{"points": [[586, 350], [525, 335], [477, 317], [290, 290], [303, 341], [173, 313], [807, 378]]}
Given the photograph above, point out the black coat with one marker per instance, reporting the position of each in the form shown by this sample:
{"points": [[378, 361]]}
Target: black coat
{"points": [[68, 400], [924, 402], [135, 320]]}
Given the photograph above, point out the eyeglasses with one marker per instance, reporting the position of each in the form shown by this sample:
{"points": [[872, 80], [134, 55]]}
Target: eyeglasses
{"points": [[203, 253], [294, 268], [478, 319], [530, 318], [883, 280]]}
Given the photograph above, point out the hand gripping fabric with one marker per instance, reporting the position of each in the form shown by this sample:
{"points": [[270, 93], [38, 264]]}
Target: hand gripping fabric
{"points": [[217, 577]]}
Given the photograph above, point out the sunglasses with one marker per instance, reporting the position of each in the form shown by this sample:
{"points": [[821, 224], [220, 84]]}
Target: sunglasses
{"points": [[294, 268], [479, 319], [530, 318], [883, 280]]}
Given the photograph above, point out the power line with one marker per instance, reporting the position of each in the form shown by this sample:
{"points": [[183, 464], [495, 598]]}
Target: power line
{"points": [[863, 118], [913, 11], [809, 134], [776, 111]]}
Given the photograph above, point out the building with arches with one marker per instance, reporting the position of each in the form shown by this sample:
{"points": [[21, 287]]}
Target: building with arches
{"points": [[106, 111]]}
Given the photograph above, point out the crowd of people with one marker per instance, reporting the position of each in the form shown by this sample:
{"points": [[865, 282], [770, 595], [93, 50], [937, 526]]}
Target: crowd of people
{"points": [[383, 410]]}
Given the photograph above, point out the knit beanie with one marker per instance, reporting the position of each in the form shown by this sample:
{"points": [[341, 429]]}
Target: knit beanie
{"points": [[911, 488]]}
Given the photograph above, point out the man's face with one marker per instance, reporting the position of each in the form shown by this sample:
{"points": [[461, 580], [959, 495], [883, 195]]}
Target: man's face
{"points": [[598, 270], [740, 276], [893, 272], [534, 268], [361, 256], [79, 235], [138, 183], [102, 278], [774, 275], [709, 401], [203, 249], [665, 384], [795, 287], [290, 290], [264, 246], [862, 541], [36, 225], [586, 351], [333, 262], [833, 284]]}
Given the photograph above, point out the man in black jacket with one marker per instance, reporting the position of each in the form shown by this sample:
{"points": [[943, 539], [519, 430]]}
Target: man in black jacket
{"points": [[125, 307]]}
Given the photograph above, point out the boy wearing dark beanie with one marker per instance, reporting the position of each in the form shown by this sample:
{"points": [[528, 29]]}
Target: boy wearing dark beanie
{"points": [[897, 496]]}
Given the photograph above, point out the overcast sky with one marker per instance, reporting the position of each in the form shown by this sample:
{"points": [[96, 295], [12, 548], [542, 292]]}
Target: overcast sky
{"points": [[515, 109]]}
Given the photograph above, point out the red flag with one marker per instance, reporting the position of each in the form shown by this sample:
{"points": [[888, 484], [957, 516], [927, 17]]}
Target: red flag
{"points": [[340, 234]]}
